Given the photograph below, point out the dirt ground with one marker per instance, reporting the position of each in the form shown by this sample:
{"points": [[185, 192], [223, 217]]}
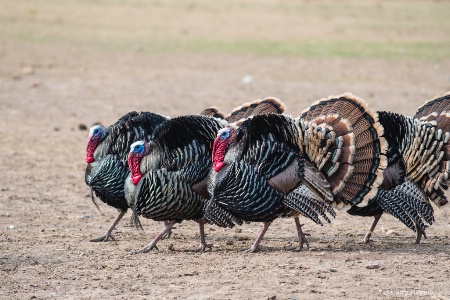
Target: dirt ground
{"points": [[47, 217], [48, 92]]}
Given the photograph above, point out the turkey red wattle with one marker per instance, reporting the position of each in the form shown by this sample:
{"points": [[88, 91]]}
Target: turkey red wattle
{"points": [[133, 164], [92, 144], [218, 153]]}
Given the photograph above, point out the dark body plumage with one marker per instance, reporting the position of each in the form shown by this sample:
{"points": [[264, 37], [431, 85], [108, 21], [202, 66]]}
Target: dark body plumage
{"points": [[177, 164], [107, 172], [174, 183], [268, 157]]}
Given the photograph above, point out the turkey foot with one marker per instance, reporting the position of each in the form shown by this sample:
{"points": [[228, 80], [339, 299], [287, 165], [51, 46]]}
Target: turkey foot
{"points": [[168, 234], [301, 235], [203, 245], [152, 244], [419, 233], [107, 235], [366, 239], [255, 246], [104, 238]]}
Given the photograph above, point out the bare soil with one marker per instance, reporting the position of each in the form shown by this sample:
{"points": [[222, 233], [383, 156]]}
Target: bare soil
{"points": [[47, 218]]}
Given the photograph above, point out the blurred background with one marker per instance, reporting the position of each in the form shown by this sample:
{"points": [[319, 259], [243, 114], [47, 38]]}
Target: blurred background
{"points": [[175, 57]]}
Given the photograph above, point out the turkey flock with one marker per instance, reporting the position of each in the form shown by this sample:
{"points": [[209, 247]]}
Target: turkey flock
{"points": [[258, 164]]}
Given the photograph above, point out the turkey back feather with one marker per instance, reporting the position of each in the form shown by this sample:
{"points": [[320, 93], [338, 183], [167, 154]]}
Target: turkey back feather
{"points": [[184, 144], [131, 128]]}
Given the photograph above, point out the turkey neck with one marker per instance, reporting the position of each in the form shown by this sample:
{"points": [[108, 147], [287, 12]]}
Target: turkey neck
{"points": [[102, 149]]}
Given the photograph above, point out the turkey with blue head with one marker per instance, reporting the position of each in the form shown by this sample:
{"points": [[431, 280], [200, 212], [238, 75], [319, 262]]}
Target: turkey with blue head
{"points": [[335, 149], [168, 179], [106, 158]]}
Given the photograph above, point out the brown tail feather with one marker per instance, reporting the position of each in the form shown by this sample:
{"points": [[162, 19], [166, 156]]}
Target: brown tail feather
{"points": [[214, 112], [268, 105], [317, 183], [437, 105], [345, 141], [437, 184], [426, 155]]}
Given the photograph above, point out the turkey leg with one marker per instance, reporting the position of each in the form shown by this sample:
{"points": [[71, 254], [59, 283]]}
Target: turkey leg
{"points": [[376, 218], [419, 233], [153, 243], [255, 246], [301, 236], [107, 235]]}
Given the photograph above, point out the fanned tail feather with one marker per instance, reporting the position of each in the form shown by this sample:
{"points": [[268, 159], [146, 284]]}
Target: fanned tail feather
{"points": [[344, 140], [268, 105], [435, 106], [213, 112]]}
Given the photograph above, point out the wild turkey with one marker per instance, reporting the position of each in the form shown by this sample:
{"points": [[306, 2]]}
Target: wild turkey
{"points": [[335, 149], [418, 167], [168, 176], [106, 158]]}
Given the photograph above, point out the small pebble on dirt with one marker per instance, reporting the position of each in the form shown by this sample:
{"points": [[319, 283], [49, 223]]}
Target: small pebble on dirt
{"points": [[392, 233], [82, 126], [84, 217], [28, 70], [373, 266], [248, 79]]}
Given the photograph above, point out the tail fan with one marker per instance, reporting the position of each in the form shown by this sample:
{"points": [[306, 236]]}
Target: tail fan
{"points": [[344, 140], [268, 105], [427, 155], [435, 106], [437, 110], [213, 112]]}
